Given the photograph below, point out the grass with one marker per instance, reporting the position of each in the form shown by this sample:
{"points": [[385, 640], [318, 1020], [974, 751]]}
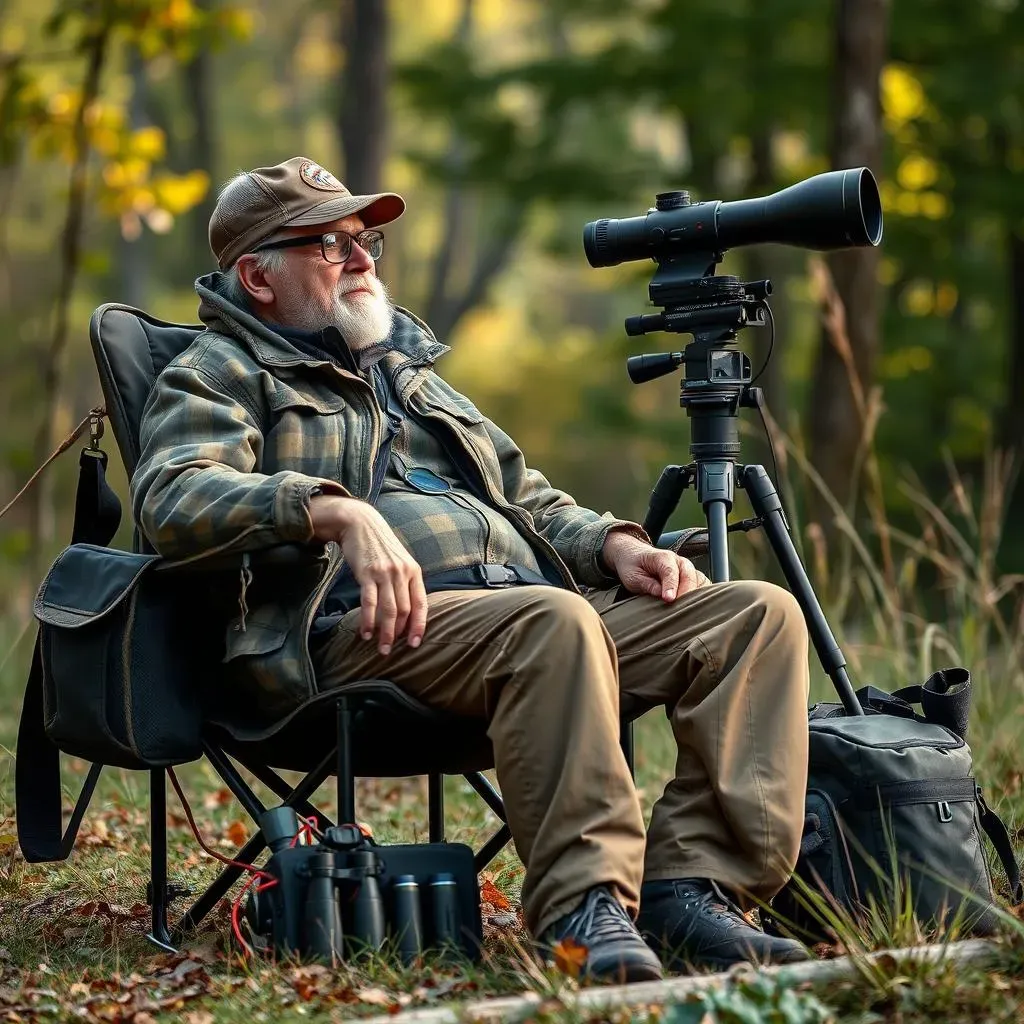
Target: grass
{"points": [[903, 602]]}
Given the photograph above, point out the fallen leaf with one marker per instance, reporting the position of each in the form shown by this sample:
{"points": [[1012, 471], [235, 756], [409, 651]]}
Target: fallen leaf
{"points": [[374, 996], [237, 833], [199, 1017], [489, 893], [570, 957], [218, 798], [183, 971]]}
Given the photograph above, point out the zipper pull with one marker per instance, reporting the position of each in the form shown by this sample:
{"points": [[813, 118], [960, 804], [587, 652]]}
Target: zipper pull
{"points": [[246, 578]]}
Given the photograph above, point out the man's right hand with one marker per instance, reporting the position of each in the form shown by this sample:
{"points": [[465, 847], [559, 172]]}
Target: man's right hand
{"points": [[392, 596]]}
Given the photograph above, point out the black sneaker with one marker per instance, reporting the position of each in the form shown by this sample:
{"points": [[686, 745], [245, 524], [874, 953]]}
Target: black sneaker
{"points": [[690, 923], [614, 949]]}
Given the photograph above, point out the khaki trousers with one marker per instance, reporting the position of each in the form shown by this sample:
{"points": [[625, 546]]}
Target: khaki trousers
{"points": [[548, 670]]}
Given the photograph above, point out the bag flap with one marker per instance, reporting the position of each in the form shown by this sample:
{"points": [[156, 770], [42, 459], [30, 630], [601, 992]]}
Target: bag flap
{"points": [[87, 582], [881, 732]]}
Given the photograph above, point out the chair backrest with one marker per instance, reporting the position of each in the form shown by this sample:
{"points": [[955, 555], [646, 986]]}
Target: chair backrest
{"points": [[131, 348]]}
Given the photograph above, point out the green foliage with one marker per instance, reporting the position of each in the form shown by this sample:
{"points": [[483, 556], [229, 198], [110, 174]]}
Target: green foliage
{"points": [[762, 1000]]}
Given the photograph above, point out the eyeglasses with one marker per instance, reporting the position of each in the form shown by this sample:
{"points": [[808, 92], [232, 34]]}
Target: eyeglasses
{"points": [[336, 246]]}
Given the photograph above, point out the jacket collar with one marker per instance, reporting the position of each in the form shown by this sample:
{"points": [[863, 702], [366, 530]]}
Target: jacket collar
{"points": [[410, 337]]}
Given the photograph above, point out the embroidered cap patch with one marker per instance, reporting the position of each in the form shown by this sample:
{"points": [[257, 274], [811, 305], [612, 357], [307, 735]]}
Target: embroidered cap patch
{"points": [[319, 177]]}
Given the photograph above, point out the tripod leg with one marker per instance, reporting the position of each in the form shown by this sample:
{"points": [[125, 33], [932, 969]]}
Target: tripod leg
{"points": [[664, 498], [764, 499], [718, 541], [715, 492]]}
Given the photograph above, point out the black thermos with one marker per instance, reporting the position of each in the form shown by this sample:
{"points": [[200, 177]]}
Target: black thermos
{"points": [[407, 917], [444, 912]]}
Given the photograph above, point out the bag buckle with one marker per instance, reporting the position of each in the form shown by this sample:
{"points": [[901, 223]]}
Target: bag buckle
{"points": [[945, 813], [95, 433]]}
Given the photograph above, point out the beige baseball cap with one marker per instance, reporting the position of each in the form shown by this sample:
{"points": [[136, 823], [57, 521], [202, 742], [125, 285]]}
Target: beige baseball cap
{"points": [[299, 191]]}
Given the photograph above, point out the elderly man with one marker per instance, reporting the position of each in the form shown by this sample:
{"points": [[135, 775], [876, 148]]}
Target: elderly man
{"points": [[309, 411]]}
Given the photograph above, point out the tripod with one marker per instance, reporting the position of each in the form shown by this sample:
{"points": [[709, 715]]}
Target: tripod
{"points": [[716, 384]]}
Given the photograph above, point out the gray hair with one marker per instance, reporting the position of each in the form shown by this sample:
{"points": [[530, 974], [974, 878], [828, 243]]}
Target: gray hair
{"points": [[272, 259]]}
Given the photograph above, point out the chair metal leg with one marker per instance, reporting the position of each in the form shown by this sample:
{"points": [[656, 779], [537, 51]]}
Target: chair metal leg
{"points": [[158, 894], [492, 848], [346, 781], [435, 799], [283, 790], [67, 842], [238, 786], [219, 887], [488, 793], [626, 740]]}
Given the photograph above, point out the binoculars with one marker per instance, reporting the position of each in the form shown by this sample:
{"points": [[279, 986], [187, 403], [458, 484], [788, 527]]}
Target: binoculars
{"points": [[346, 896]]}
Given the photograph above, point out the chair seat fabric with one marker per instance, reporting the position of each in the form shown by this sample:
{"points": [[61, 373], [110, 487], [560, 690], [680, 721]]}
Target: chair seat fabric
{"points": [[393, 735]]}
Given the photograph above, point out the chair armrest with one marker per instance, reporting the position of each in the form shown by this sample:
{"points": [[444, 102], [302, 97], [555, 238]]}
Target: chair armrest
{"points": [[277, 556], [690, 543]]}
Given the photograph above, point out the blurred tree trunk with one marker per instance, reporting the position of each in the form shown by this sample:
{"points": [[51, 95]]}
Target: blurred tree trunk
{"points": [[489, 249], [133, 252], [94, 48], [764, 262], [363, 114], [836, 418], [198, 83], [1011, 428]]}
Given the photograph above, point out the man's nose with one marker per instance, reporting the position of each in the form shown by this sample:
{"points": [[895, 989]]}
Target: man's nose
{"points": [[359, 261]]}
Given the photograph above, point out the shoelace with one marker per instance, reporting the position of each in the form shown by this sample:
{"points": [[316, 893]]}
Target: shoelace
{"points": [[717, 904], [588, 920]]}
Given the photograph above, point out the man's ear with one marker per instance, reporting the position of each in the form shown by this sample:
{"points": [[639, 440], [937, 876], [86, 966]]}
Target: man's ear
{"points": [[254, 280]]}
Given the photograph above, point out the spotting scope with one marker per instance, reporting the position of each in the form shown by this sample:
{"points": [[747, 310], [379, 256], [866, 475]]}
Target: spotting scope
{"points": [[835, 210]]}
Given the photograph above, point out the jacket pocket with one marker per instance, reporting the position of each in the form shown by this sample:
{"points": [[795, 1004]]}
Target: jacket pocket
{"points": [[258, 637], [320, 400]]}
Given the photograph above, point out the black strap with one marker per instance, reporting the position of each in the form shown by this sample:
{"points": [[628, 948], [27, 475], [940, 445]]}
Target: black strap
{"points": [[883, 703], [97, 507], [945, 698], [490, 575], [922, 791], [37, 765], [996, 831]]}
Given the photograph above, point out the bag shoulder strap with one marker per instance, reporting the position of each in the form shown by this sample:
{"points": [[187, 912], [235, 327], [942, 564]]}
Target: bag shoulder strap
{"points": [[997, 833], [37, 783]]}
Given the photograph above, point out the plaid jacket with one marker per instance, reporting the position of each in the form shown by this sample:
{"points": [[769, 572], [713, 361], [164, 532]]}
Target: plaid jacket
{"points": [[241, 427]]}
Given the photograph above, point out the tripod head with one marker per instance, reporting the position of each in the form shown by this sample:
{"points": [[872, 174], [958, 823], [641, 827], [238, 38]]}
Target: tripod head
{"points": [[717, 375]]}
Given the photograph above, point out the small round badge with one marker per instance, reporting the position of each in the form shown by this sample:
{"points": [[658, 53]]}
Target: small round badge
{"points": [[319, 177]]}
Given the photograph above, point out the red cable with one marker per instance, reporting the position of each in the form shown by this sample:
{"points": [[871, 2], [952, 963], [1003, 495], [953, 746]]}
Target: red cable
{"points": [[199, 838], [307, 829]]}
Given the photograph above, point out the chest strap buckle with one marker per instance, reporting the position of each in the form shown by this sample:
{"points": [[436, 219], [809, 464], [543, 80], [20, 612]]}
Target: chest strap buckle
{"points": [[498, 575]]}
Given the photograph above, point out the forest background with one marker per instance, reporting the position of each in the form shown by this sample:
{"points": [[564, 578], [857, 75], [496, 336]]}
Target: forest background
{"points": [[507, 124], [895, 389]]}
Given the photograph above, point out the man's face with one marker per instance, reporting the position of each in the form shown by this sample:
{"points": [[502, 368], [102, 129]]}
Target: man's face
{"points": [[311, 293]]}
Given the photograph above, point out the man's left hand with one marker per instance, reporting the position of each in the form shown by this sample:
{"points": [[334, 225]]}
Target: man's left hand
{"points": [[645, 569]]}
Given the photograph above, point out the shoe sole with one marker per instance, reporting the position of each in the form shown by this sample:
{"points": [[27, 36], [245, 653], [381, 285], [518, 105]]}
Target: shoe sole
{"points": [[626, 974], [720, 964]]}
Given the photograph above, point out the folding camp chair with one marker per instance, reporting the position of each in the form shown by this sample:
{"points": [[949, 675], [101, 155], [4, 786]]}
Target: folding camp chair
{"points": [[369, 728]]}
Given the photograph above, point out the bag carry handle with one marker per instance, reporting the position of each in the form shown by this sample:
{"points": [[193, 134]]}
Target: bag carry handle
{"points": [[37, 764], [945, 698]]}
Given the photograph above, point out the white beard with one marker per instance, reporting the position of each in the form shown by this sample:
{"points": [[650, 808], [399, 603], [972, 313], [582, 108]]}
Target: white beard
{"points": [[363, 320]]}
